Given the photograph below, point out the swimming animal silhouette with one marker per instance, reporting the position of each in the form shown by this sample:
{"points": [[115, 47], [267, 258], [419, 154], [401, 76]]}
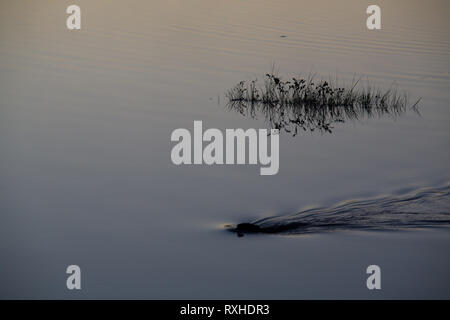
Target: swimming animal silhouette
{"points": [[423, 208]]}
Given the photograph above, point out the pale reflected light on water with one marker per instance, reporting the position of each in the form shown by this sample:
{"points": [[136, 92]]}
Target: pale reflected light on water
{"points": [[85, 170]]}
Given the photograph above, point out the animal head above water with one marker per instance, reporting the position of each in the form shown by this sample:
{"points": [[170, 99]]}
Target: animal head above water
{"points": [[243, 228]]}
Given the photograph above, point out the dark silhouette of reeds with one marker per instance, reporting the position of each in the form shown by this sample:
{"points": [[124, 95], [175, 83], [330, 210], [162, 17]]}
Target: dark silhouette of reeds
{"points": [[308, 105]]}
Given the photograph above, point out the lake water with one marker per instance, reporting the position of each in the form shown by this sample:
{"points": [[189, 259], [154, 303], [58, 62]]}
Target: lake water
{"points": [[86, 176]]}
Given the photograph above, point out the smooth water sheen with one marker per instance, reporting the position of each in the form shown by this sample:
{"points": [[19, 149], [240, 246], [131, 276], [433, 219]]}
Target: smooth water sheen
{"points": [[86, 176]]}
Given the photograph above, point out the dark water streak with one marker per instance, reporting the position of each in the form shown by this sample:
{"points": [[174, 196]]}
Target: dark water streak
{"points": [[423, 208]]}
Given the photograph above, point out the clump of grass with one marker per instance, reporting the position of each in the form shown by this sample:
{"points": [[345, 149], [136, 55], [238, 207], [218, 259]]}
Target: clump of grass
{"points": [[303, 103]]}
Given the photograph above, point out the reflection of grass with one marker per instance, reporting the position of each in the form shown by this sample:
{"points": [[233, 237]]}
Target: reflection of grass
{"points": [[309, 105]]}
